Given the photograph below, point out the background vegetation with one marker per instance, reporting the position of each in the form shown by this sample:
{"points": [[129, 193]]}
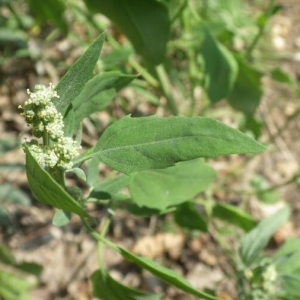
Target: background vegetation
{"points": [[235, 61]]}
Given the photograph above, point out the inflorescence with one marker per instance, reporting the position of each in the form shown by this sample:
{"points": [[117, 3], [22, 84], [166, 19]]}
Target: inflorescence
{"points": [[47, 122]]}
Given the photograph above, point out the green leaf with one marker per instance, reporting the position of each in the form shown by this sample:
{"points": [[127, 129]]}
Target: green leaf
{"points": [[233, 215], [159, 189], [281, 76], [61, 218], [247, 91], [187, 216], [93, 177], [81, 71], [136, 144], [69, 121], [10, 193], [262, 191], [78, 172], [220, 68], [8, 144], [117, 57], [47, 190], [146, 211], [289, 286], [14, 286], [53, 10], [105, 287], [165, 274], [145, 23], [98, 92], [287, 258], [291, 245], [109, 187], [29, 267], [5, 220], [257, 239]]}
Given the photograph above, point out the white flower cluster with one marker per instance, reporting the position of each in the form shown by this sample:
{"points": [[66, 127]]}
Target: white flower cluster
{"points": [[42, 115]]}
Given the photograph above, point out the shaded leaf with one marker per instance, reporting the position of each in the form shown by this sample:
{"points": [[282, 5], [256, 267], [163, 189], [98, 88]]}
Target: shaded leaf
{"points": [[8, 144], [61, 218], [53, 10], [109, 187], [187, 216], [159, 189], [220, 68], [47, 190], [247, 91], [98, 92], [78, 172], [10, 193], [145, 23], [233, 215], [105, 287]]}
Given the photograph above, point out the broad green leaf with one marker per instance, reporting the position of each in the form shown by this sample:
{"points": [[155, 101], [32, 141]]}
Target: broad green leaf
{"points": [[136, 144], [220, 68], [81, 71], [165, 274], [61, 218], [233, 215], [257, 239], [78, 172], [247, 90], [187, 216], [145, 23], [159, 189], [47, 190], [98, 92], [53, 10], [105, 287], [109, 187]]}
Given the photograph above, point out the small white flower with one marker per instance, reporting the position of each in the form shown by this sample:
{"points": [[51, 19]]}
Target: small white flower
{"points": [[41, 113]]}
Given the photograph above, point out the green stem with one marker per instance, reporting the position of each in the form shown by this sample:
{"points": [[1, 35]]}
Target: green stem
{"points": [[100, 243], [284, 126], [166, 88], [98, 236], [135, 64], [139, 68], [46, 138], [287, 182], [261, 30]]}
